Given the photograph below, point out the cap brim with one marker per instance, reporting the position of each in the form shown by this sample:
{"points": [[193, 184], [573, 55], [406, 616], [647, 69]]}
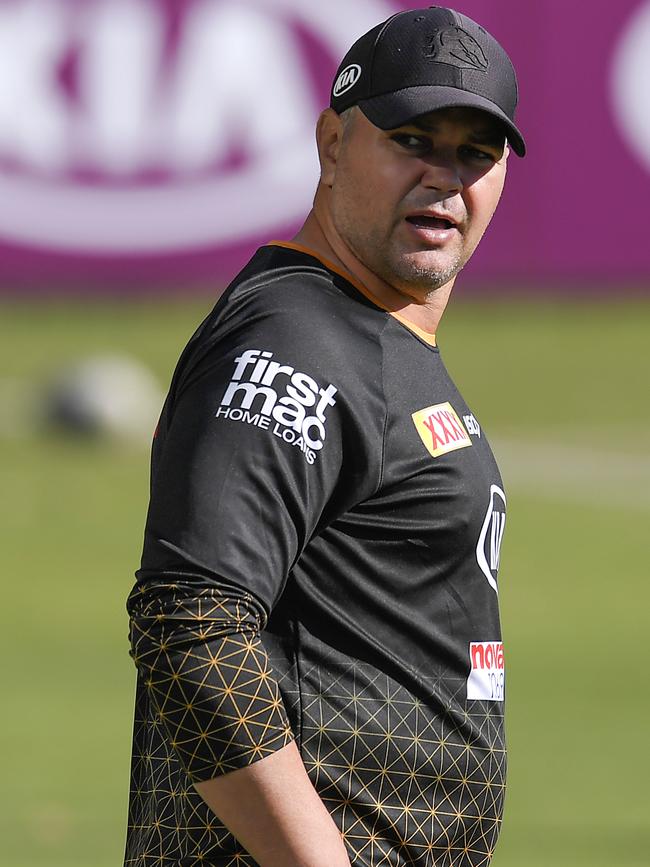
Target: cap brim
{"points": [[391, 110]]}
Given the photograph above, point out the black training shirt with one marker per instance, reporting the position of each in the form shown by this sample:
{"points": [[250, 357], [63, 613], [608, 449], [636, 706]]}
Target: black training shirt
{"points": [[320, 563]]}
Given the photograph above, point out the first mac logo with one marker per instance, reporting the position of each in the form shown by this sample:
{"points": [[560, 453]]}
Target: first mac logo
{"points": [[280, 399]]}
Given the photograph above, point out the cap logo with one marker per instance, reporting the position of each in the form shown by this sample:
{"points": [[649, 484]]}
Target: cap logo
{"points": [[455, 47], [347, 79]]}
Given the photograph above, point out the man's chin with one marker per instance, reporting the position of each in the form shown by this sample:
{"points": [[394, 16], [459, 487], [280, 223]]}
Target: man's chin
{"points": [[427, 271]]}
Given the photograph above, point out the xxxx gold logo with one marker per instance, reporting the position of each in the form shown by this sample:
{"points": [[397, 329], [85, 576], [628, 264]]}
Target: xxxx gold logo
{"points": [[440, 429]]}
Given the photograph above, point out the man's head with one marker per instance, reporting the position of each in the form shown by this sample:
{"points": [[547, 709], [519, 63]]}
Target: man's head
{"points": [[423, 60], [413, 149]]}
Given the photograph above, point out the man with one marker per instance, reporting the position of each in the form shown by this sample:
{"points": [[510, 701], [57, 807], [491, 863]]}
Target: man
{"points": [[315, 623]]}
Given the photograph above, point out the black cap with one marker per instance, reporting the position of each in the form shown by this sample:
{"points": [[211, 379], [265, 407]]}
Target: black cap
{"points": [[423, 60]]}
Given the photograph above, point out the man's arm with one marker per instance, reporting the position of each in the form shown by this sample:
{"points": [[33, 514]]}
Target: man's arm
{"points": [[274, 811], [232, 507], [210, 681]]}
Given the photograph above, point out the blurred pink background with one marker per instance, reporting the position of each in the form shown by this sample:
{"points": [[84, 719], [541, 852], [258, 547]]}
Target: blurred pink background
{"points": [[151, 145]]}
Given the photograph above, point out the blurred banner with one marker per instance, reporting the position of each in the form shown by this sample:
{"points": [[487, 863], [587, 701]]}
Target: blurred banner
{"points": [[153, 144]]}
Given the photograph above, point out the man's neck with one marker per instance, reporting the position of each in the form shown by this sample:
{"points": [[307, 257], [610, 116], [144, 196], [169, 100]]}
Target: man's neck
{"points": [[317, 235]]}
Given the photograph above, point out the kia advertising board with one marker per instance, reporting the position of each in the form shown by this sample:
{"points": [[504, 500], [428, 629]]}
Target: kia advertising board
{"points": [[153, 144]]}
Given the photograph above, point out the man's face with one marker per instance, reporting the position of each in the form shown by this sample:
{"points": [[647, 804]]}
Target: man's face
{"points": [[413, 203]]}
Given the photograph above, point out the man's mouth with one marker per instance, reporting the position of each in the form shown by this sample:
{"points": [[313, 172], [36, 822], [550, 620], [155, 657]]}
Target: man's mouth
{"points": [[424, 222]]}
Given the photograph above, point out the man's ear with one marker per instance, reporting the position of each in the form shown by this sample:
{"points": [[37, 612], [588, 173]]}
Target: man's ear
{"points": [[329, 135]]}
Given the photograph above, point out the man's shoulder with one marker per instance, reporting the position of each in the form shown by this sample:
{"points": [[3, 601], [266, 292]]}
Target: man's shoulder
{"points": [[289, 304], [284, 280]]}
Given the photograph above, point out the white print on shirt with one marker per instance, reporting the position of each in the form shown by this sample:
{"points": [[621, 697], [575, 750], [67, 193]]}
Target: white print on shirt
{"points": [[473, 427], [488, 550], [486, 681], [283, 408]]}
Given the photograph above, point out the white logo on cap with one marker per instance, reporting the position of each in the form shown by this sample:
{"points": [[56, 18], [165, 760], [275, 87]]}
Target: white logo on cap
{"points": [[347, 79]]}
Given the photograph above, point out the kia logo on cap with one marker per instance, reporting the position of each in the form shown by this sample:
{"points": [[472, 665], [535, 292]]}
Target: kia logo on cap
{"points": [[347, 79]]}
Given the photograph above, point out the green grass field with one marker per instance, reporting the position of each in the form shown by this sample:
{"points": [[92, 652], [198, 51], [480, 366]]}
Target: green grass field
{"points": [[562, 391]]}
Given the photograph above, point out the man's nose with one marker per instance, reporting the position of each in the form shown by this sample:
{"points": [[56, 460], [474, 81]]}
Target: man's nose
{"points": [[443, 174]]}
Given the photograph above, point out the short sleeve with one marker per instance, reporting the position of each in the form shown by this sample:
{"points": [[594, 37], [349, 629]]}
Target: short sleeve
{"points": [[273, 427]]}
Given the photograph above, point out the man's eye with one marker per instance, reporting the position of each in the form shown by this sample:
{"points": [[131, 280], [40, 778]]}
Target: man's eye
{"points": [[478, 155], [411, 142]]}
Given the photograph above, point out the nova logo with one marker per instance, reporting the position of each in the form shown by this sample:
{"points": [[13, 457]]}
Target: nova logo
{"points": [[440, 429], [486, 680], [486, 655], [280, 399], [488, 550], [347, 79]]}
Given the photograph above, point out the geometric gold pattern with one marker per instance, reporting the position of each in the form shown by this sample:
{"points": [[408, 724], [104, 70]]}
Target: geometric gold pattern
{"points": [[208, 678], [406, 783]]}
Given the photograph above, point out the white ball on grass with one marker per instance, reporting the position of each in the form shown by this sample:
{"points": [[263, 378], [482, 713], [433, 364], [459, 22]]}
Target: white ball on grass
{"points": [[106, 395]]}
